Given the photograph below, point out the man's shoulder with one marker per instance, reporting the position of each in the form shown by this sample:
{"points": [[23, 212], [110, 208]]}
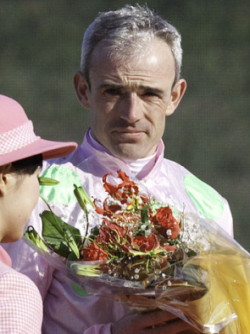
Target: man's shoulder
{"points": [[173, 168], [63, 160], [207, 200]]}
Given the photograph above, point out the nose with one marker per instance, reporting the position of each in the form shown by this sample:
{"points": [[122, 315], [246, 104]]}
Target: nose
{"points": [[131, 108]]}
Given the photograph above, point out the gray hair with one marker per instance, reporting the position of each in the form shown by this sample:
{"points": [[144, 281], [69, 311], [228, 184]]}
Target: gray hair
{"points": [[126, 29]]}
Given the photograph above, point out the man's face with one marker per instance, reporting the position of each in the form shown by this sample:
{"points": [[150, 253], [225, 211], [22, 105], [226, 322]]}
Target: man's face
{"points": [[130, 100]]}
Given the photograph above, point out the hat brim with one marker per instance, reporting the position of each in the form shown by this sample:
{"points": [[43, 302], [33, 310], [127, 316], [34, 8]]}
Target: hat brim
{"points": [[49, 150]]}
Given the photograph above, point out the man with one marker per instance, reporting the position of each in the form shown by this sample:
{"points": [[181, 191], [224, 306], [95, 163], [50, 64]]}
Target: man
{"points": [[130, 81]]}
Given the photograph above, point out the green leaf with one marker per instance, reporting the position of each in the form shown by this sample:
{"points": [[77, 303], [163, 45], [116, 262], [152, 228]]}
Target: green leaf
{"points": [[72, 257], [60, 236]]}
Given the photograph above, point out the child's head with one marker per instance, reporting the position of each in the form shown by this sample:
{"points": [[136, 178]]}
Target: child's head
{"points": [[21, 155]]}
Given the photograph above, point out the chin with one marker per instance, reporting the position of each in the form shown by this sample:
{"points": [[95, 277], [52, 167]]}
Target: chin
{"points": [[12, 238]]}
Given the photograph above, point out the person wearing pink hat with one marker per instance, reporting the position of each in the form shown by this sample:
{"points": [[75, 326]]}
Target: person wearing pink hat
{"points": [[21, 156]]}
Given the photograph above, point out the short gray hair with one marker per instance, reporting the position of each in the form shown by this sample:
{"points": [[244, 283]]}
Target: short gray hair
{"points": [[121, 28]]}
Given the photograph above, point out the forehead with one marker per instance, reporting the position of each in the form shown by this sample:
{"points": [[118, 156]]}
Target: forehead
{"points": [[150, 61]]}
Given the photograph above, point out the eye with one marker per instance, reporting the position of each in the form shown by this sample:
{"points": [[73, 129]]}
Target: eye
{"points": [[113, 91], [151, 94]]}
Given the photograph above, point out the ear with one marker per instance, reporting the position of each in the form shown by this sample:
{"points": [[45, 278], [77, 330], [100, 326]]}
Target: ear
{"points": [[82, 89], [2, 184], [4, 178], [177, 94]]}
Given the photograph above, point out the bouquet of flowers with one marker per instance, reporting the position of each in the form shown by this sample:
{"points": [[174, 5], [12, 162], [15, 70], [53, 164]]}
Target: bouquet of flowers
{"points": [[150, 255]]}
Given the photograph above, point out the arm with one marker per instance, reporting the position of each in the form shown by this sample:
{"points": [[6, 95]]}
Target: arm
{"points": [[20, 304], [26, 260]]}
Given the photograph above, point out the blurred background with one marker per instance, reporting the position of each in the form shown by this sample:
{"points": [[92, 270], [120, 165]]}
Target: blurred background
{"points": [[208, 134]]}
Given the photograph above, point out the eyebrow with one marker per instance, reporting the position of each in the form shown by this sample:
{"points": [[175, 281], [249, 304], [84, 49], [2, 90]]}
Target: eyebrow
{"points": [[142, 87]]}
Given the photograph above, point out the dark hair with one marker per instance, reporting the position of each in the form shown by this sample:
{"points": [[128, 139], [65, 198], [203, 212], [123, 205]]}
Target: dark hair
{"points": [[27, 165]]}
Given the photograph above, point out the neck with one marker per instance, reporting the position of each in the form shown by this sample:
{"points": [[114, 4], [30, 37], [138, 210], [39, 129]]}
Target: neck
{"points": [[136, 166], [145, 164]]}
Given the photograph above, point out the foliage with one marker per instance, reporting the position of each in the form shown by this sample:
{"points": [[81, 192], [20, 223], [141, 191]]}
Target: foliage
{"points": [[136, 237]]}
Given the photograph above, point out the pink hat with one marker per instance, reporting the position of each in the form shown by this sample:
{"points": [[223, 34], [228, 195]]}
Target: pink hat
{"points": [[18, 140]]}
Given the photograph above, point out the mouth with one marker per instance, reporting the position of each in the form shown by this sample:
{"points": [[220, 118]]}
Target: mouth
{"points": [[128, 134]]}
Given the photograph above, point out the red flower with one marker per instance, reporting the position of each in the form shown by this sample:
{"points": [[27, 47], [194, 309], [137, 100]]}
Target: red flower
{"points": [[107, 209], [170, 248], [111, 232], [94, 253], [122, 191], [145, 244], [125, 215], [165, 223]]}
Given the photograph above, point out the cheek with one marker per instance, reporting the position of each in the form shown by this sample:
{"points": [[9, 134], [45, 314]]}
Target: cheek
{"points": [[158, 118], [32, 195], [35, 194], [28, 206], [161, 129], [102, 118], [25, 198]]}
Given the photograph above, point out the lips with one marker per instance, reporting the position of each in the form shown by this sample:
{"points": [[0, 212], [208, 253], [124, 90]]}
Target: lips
{"points": [[130, 131], [128, 134]]}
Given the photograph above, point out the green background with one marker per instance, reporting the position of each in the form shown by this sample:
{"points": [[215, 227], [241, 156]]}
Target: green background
{"points": [[208, 134]]}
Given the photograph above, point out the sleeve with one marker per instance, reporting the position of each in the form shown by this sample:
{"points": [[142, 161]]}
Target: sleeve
{"points": [[209, 203], [226, 219], [27, 260], [20, 304]]}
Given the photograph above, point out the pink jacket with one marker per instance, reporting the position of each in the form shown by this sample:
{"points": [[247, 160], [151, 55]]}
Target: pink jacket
{"points": [[67, 308], [20, 301]]}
